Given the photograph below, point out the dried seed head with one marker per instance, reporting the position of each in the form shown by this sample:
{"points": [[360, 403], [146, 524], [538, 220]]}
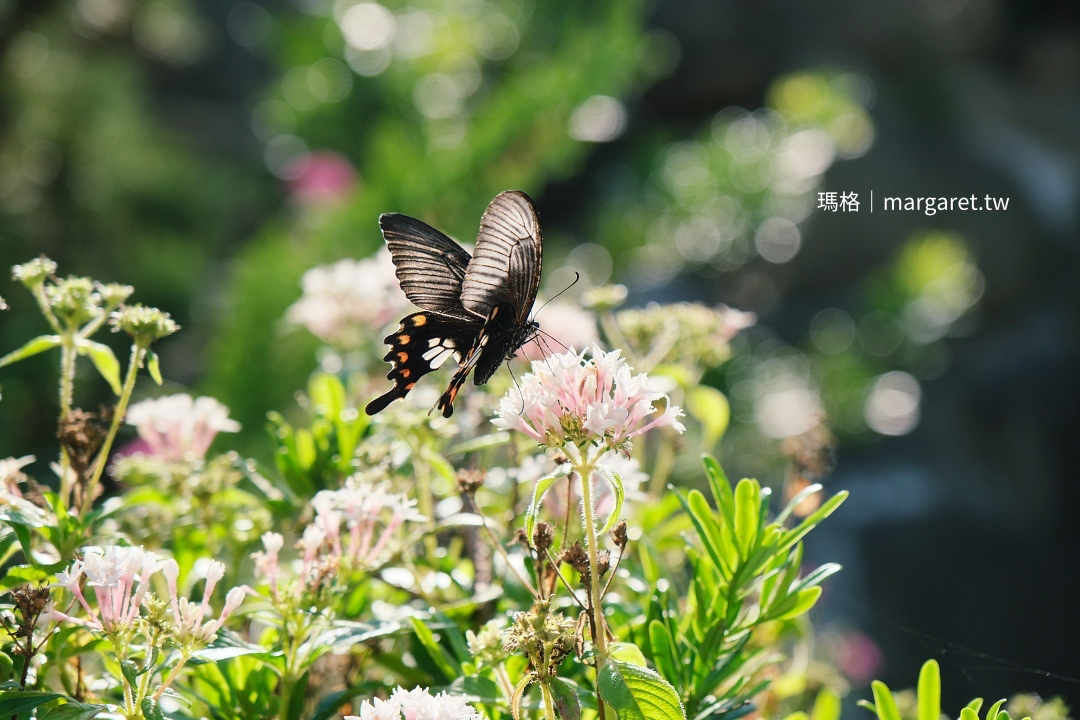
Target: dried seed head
{"points": [[542, 537], [618, 535], [576, 557], [469, 481]]}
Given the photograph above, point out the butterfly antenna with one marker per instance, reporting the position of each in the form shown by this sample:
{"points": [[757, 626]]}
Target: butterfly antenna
{"points": [[577, 276], [549, 336], [521, 393]]}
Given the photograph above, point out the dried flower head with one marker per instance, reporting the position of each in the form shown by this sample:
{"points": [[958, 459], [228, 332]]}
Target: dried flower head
{"points": [[178, 427], [144, 324], [544, 636], [470, 480], [574, 404]]}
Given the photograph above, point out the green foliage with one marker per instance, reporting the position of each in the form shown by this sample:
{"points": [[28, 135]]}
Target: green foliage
{"points": [[637, 693]]}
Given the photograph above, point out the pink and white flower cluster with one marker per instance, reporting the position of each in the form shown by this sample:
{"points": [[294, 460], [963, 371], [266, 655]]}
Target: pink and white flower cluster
{"points": [[344, 302], [179, 427], [571, 403], [120, 577], [417, 704], [353, 527]]}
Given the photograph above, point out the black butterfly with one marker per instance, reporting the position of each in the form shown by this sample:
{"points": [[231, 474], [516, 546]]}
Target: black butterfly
{"points": [[474, 308]]}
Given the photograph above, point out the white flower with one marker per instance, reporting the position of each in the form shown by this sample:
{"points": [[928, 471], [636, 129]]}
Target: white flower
{"points": [[417, 704], [120, 577], [345, 302], [189, 615], [178, 427]]}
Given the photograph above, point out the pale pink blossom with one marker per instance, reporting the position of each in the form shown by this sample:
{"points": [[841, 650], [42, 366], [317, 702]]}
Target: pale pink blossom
{"points": [[189, 616], [371, 515], [417, 704], [179, 427], [120, 577], [267, 566], [565, 325], [321, 177], [344, 303], [569, 403]]}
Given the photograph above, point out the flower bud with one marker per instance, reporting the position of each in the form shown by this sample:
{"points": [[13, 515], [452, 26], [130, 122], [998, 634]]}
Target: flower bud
{"points": [[145, 324], [32, 274]]}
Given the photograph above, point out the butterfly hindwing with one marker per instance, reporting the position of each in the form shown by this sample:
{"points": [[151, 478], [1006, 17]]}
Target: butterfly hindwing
{"points": [[506, 263], [421, 344]]}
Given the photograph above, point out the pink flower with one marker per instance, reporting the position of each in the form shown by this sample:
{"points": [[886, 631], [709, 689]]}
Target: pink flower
{"points": [[371, 514], [569, 403], [344, 303], [321, 177], [570, 327], [120, 578], [188, 616], [177, 427], [266, 562]]}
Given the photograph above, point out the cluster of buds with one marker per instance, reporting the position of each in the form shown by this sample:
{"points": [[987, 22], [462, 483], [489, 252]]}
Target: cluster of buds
{"points": [[689, 333], [544, 636], [72, 301]]}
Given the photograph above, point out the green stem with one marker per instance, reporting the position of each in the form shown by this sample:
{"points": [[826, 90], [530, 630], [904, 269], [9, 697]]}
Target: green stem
{"points": [[584, 471], [549, 701], [172, 676], [138, 351], [67, 392]]}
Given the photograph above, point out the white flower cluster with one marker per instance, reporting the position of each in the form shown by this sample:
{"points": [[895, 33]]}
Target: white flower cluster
{"points": [[417, 704], [345, 302]]}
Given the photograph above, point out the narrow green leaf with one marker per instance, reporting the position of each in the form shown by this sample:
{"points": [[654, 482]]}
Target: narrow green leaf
{"points": [[721, 489], [709, 531], [795, 605], [153, 366], [798, 715], [884, 701], [542, 486], [479, 443], [827, 706], [637, 693], [74, 711], [104, 360], [448, 665], [929, 692], [627, 653], [664, 653], [615, 480], [151, 710], [566, 700], [968, 714], [976, 706], [710, 407], [519, 692], [747, 512], [827, 508], [795, 502], [995, 710], [327, 394], [35, 346], [13, 702]]}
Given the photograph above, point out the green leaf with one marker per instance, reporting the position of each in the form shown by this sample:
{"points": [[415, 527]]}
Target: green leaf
{"points": [[542, 486], [13, 702], [995, 710], [566, 700], [795, 501], [151, 710], [22, 575], [664, 652], [929, 692], [721, 488], [975, 706], [130, 672], [637, 693], [153, 366], [827, 706], [723, 554], [884, 702], [812, 520], [519, 692], [74, 711], [448, 665], [710, 407], [795, 605], [35, 346], [627, 653], [483, 442], [615, 480], [968, 714], [106, 363], [747, 512], [327, 394]]}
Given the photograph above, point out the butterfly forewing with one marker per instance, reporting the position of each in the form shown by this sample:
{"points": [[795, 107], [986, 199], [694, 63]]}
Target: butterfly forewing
{"points": [[430, 266], [506, 263]]}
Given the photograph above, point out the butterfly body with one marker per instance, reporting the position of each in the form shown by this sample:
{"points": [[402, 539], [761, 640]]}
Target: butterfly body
{"points": [[472, 308]]}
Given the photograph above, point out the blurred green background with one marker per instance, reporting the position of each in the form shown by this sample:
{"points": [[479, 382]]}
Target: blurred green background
{"points": [[208, 152]]}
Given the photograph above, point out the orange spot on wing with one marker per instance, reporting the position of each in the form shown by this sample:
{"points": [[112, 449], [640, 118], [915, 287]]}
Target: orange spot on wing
{"points": [[410, 386], [404, 339], [403, 356], [406, 372], [419, 320]]}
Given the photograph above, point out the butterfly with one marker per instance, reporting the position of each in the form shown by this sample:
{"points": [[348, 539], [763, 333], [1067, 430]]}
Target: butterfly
{"points": [[475, 308]]}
